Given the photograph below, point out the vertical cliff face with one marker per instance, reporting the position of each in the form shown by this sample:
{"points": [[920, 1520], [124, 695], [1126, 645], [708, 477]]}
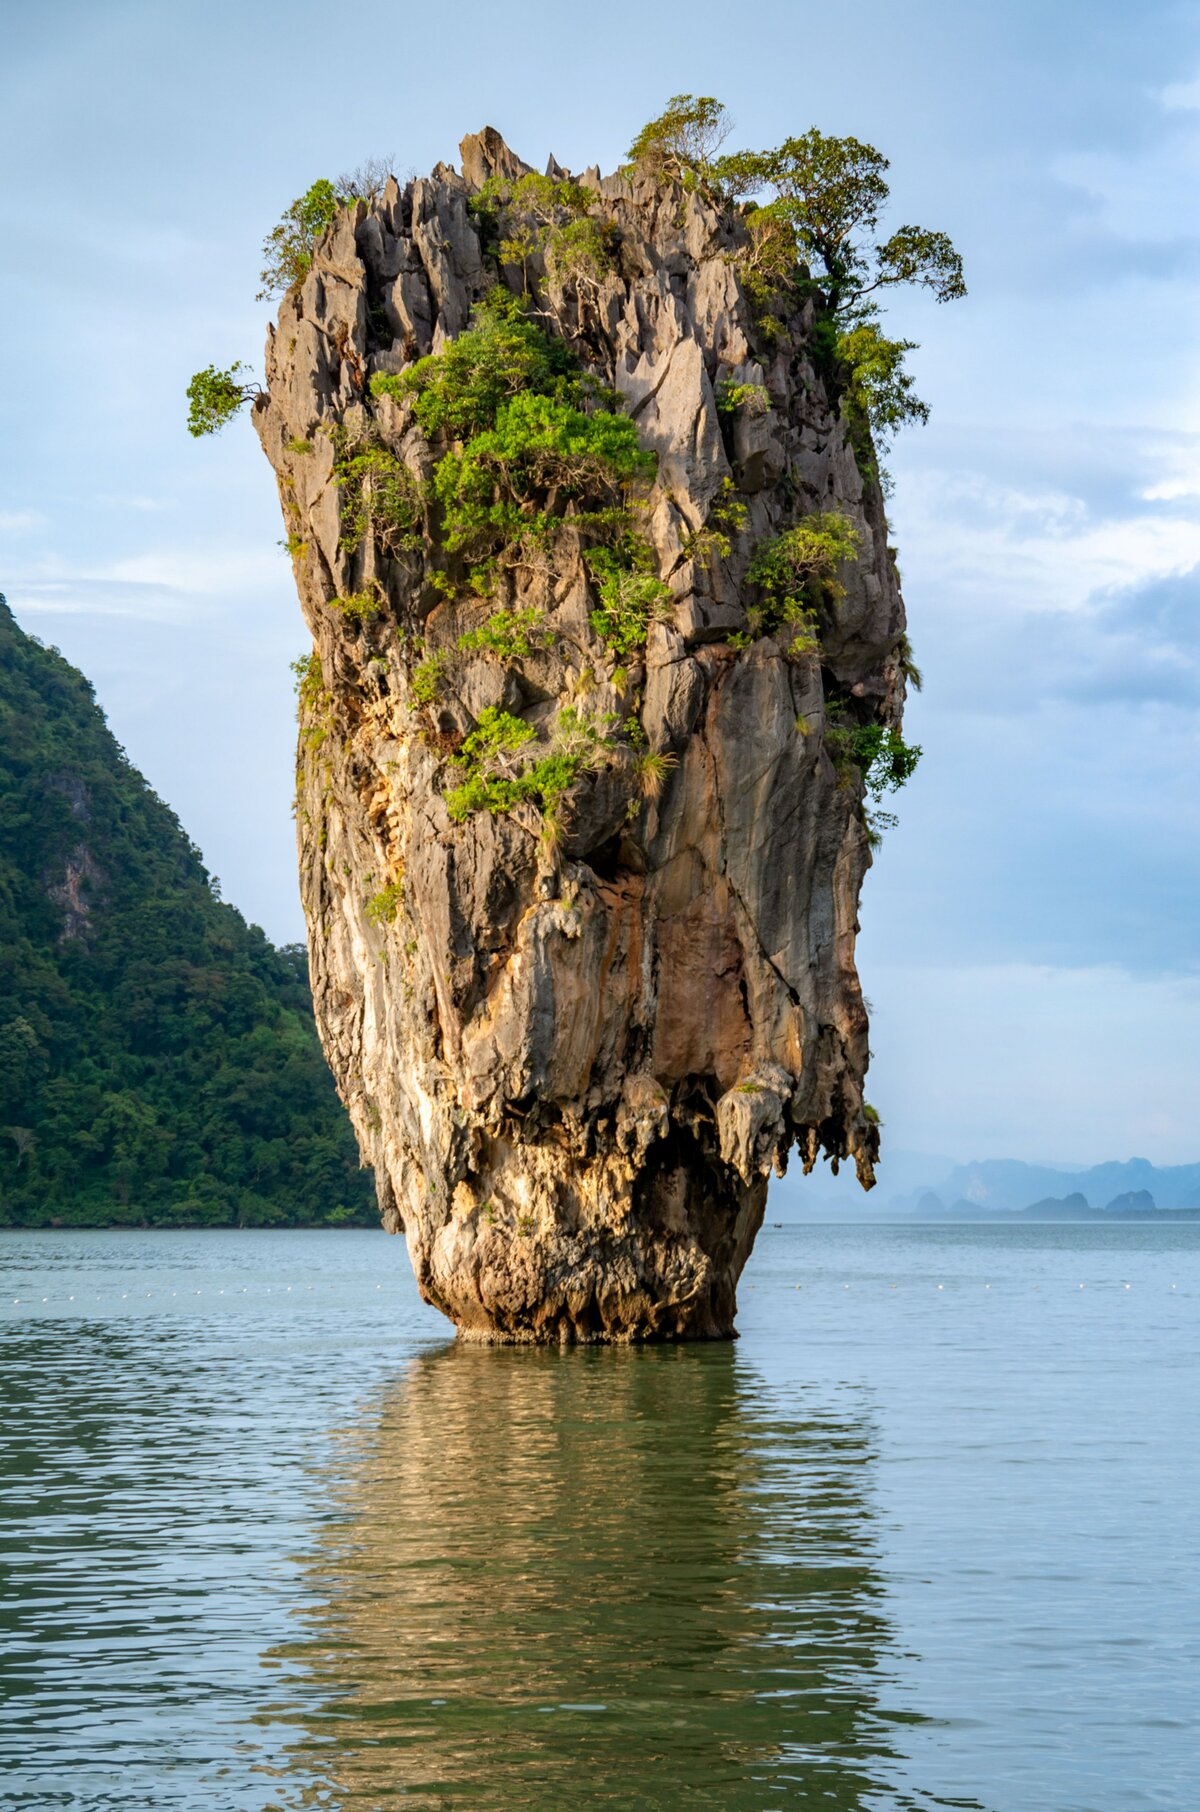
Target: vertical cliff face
{"points": [[575, 1039]]}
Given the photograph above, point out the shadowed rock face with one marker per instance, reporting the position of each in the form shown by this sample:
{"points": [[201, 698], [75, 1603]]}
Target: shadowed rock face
{"points": [[573, 1064]]}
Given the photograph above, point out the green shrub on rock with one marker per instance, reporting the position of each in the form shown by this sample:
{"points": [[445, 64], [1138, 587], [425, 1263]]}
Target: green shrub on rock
{"points": [[510, 635], [383, 906], [496, 781], [215, 397], [885, 761], [753, 398], [796, 576], [682, 143], [359, 606], [494, 492], [547, 218], [632, 596], [459, 391], [529, 436], [288, 247], [378, 492], [811, 210]]}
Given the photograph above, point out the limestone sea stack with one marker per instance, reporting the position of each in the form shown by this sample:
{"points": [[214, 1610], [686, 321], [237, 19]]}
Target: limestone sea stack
{"points": [[580, 838]]}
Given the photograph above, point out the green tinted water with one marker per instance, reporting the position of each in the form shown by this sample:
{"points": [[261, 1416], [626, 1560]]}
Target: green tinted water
{"points": [[923, 1537]]}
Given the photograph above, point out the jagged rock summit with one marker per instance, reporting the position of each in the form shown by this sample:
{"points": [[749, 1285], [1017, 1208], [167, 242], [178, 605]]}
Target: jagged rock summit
{"points": [[577, 1012]]}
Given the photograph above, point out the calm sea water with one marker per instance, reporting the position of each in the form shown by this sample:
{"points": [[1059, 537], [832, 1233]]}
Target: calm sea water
{"points": [[927, 1536]]}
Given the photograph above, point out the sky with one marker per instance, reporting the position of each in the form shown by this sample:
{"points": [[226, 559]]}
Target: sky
{"points": [[1030, 940]]}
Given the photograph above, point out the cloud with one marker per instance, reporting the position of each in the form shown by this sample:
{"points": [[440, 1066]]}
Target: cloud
{"points": [[1147, 194], [1033, 551], [167, 585], [82, 595], [1181, 97], [1145, 646], [1181, 474], [20, 522], [209, 572], [145, 505]]}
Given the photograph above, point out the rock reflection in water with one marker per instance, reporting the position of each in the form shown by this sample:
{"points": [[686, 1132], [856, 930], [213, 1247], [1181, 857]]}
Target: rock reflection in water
{"points": [[595, 1578]]}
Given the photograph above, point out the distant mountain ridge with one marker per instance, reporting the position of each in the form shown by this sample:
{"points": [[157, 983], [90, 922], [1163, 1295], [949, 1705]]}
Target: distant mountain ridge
{"points": [[1008, 1186], [925, 1186], [158, 1059]]}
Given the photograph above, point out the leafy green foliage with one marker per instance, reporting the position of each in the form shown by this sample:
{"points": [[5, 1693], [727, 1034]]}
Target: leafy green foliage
{"points": [[767, 268], [383, 906], [496, 779], [310, 681], [548, 218], [492, 782], [533, 444], [881, 755], [632, 596], [378, 492], [826, 193], [580, 253], [529, 435], [496, 734], [829, 194], [511, 635], [682, 143], [815, 234], [796, 574], [359, 606], [460, 391], [215, 397], [157, 1055], [753, 398], [288, 248], [726, 518], [878, 391], [312, 702], [426, 682], [494, 490]]}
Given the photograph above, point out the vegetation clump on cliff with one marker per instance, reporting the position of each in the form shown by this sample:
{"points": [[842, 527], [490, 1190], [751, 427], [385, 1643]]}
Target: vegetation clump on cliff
{"points": [[528, 442], [528, 437], [529, 446], [796, 572], [814, 236]]}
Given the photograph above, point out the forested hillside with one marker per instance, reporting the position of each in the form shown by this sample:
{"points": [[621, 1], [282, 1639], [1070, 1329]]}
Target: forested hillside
{"points": [[158, 1062]]}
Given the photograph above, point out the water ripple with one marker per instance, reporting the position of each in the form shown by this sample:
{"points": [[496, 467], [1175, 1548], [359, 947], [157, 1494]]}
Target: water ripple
{"points": [[924, 1538]]}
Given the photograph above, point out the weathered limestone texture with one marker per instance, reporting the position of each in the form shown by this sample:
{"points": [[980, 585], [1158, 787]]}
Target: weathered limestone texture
{"points": [[573, 1063]]}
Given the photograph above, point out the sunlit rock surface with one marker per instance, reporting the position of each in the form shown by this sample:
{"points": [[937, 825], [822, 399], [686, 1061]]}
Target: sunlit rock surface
{"points": [[574, 1066]]}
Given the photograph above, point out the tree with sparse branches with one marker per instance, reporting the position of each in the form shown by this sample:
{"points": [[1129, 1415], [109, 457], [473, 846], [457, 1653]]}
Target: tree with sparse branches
{"points": [[829, 193], [684, 140], [24, 1138], [366, 180]]}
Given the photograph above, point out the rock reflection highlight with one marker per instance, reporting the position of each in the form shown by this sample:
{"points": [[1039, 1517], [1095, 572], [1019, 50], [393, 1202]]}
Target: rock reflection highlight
{"points": [[605, 1577]]}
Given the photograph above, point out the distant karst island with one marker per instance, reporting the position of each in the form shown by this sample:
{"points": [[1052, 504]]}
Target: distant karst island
{"points": [[915, 1186]]}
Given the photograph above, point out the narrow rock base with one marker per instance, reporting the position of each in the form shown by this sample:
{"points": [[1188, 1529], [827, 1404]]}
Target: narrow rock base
{"points": [[674, 1278]]}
